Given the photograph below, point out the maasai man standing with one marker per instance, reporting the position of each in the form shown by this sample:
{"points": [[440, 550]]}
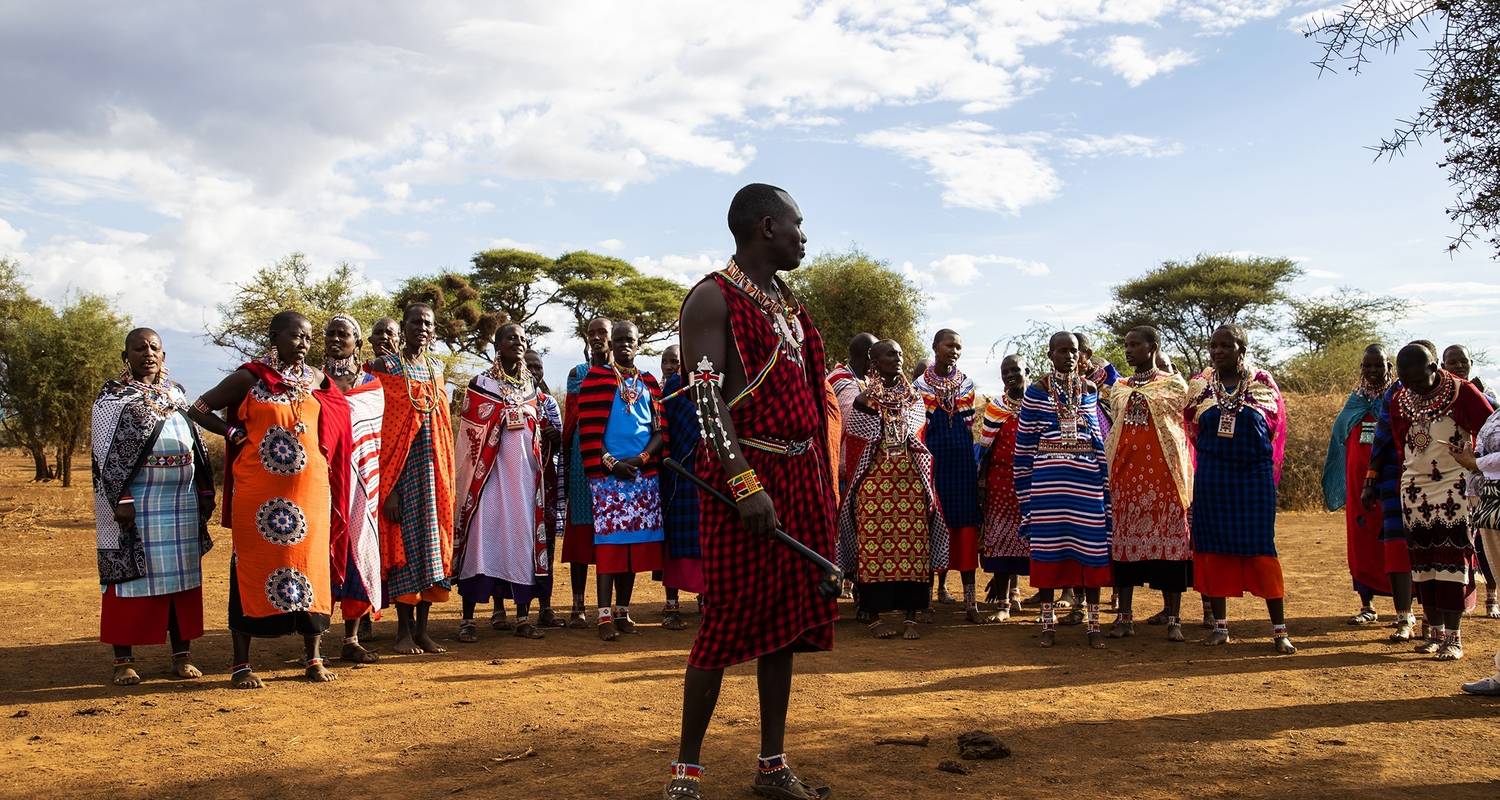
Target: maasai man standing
{"points": [[1237, 421], [620, 432], [578, 541], [1151, 484], [1433, 414], [892, 536], [757, 379], [948, 395], [500, 535], [1004, 553], [286, 463], [683, 569], [356, 568], [416, 482], [557, 493], [1344, 469], [153, 495], [1062, 486]]}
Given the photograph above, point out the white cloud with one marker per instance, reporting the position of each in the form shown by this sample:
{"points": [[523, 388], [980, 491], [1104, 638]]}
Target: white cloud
{"points": [[1127, 57], [1312, 20], [611, 245], [686, 270], [414, 238], [1446, 289], [1222, 16], [11, 239], [1322, 274], [480, 207], [504, 243], [977, 167], [962, 269], [984, 169]]}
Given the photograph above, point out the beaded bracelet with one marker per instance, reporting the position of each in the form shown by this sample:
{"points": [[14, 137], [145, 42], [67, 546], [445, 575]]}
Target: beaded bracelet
{"points": [[745, 485], [609, 461], [645, 458]]}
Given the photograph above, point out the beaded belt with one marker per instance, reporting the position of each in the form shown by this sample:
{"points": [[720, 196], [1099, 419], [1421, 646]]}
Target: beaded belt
{"points": [[780, 447], [179, 460]]}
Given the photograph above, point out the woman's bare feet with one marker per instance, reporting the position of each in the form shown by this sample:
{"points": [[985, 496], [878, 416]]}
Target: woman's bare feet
{"points": [[1284, 646], [1049, 638], [1096, 640], [406, 645], [125, 674], [1174, 632], [355, 653], [317, 673], [880, 630], [244, 678], [1217, 636], [183, 667], [911, 630], [607, 631], [427, 644]]}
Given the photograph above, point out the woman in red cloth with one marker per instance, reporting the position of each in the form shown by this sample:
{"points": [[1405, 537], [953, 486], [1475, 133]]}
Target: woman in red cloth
{"points": [[1344, 470], [756, 366]]}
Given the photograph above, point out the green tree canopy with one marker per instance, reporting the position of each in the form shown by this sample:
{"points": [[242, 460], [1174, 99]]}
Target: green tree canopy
{"points": [[289, 285], [465, 323], [851, 292], [1187, 301], [52, 363], [518, 283], [1348, 315], [592, 285]]}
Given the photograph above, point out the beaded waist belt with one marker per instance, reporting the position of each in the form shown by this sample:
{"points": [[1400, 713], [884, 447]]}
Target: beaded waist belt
{"points": [[780, 447], [1065, 446], [179, 460]]}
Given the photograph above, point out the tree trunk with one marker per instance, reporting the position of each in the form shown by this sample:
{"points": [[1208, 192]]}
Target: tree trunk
{"points": [[39, 461], [65, 466]]}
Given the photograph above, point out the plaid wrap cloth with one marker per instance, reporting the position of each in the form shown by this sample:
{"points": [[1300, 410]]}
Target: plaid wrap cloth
{"points": [[760, 595], [679, 497]]}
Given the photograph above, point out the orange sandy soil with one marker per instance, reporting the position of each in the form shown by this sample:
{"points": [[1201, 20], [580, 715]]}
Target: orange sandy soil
{"points": [[1347, 716]]}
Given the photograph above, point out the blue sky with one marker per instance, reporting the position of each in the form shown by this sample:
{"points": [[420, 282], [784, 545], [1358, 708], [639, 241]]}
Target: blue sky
{"points": [[1015, 159]]}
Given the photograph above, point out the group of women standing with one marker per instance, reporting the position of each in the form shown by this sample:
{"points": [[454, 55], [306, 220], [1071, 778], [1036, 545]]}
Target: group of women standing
{"points": [[337, 487], [1080, 485]]}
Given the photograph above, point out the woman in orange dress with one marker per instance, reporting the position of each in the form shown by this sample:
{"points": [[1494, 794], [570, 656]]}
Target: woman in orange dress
{"points": [[284, 461], [1151, 482]]}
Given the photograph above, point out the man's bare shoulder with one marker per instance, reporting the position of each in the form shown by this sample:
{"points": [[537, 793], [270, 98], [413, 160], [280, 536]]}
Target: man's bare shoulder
{"points": [[704, 304]]}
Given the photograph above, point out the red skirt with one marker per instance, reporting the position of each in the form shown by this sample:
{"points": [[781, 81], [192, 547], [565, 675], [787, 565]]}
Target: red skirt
{"points": [[1068, 574], [620, 559], [130, 621], [963, 549], [1397, 557], [1216, 575], [578, 544]]}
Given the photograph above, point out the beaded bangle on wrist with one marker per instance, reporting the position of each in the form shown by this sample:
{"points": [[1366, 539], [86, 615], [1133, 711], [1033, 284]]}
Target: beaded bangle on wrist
{"points": [[609, 461], [645, 457], [745, 485]]}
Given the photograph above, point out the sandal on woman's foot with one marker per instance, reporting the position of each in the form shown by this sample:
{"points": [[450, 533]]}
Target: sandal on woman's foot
{"points": [[672, 621], [1428, 647], [1049, 638], [1489, 687], [783, 784], [1217, 636], [1074, 617], [1159, 618], [1121, 629], [355, 653], [1403, 631], [1450, 651], [468, 631], [316, 672], [548, 618], [1492, 609], [577, 620], [607, 631], [911, 630], [626, 625], [1174, 632], [125, 674], [1364, 617], [1284, 646], [1096, 640], [1002, 615], [525, 630], [500, 622], [971, 616], [184, 668]]}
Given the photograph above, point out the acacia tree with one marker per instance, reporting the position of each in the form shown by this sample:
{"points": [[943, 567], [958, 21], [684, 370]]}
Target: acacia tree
{"points": [[591, 285], [1188, 301], [289, 285], [851, 292], [1462, 107], [463, 322], [23, 382], [1347, 315]]}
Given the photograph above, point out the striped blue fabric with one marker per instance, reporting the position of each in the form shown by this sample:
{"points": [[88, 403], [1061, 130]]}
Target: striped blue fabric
{"points": [[1234, 487], [950, 437], [580, 496], [1385, 460], [1063, 488], [166, 514], [679, 496]]}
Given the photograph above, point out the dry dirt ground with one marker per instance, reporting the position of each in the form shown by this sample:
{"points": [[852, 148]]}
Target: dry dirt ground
{"points": [[1347, 716]]}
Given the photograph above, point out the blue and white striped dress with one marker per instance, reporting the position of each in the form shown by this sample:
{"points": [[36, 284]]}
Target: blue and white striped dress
{"points": [[1062, 484]]}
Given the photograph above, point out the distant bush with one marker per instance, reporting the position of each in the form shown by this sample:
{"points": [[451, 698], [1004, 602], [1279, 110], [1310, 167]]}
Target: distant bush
{"points": [[1310, 418]]}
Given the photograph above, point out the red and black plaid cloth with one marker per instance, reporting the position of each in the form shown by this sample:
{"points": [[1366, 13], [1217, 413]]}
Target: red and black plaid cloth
{"points": [[760, 595], [595, 400]]}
